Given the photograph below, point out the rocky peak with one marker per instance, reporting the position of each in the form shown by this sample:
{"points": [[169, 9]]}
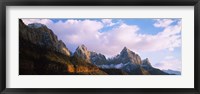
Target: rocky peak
{"points": [[42, 36], [82, 52], [146, 62], [36, 25], [126, 55], [82, 48], [91, 57], [125, 50], [97, 59]]}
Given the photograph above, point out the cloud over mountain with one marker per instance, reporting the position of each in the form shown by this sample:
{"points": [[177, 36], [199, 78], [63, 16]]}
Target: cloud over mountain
{"points": [[75, 32]]}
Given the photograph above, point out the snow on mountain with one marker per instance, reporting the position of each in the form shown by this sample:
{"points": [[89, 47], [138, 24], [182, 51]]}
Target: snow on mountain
{"points": [[119, 66]]}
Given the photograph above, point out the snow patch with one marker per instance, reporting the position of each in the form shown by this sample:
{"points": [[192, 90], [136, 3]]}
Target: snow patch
{"points": [[116, 66]]}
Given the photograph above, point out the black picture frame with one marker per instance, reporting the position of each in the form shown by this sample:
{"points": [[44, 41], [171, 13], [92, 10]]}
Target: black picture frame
{"points": [[4, 3]]}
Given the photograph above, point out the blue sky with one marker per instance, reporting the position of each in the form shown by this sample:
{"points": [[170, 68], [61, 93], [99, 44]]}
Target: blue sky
{"points": [[146, 24], [156, 39]]}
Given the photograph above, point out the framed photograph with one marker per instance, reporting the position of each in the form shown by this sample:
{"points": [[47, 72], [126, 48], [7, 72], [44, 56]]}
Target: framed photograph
{"points": [[90, 46]]}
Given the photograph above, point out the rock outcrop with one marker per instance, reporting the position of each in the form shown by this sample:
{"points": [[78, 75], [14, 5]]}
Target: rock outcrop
{"points": [[82, 53], [98, 58], [40, 35], [127, 55]]}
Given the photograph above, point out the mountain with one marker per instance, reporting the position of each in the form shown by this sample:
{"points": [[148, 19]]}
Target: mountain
{"points": [[98, 58], [83, 53], [127, 55], [172, 72], [41, 53], [82, 61], [153, 71], [131, 63], [146, 63], [127, 61], [88, 56], [40, 35]]}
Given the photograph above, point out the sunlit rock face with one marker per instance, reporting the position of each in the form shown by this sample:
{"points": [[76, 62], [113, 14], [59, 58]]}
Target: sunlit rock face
{"points": [[83, 53], [40, 35], [127, 55]]}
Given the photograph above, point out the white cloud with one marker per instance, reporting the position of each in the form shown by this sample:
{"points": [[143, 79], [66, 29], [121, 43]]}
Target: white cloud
{"points": [[42, 21], [163, 22], [110, 43], [169, 57], [108, 22]]}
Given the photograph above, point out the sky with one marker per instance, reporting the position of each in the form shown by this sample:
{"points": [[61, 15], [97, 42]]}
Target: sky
{"points": [[158, 39]]}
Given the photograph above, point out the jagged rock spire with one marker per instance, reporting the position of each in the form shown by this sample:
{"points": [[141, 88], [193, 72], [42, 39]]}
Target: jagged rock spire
{"points": [[83, 53], [82, 47], [146, 62]]}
